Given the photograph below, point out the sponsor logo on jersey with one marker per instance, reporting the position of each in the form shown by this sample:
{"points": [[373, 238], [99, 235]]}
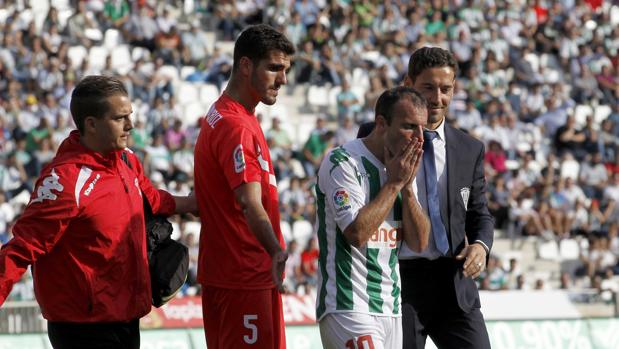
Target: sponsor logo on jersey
{"points": [[91, 186], [213, 116], [388, 235], [44, 192], [341, 200], [239, 159]]}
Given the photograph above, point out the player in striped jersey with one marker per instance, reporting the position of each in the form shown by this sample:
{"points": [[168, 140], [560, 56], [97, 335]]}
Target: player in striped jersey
{"points": [[366, 207]]}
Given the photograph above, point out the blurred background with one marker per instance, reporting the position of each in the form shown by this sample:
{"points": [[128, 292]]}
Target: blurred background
{"points": [[538, 84]]}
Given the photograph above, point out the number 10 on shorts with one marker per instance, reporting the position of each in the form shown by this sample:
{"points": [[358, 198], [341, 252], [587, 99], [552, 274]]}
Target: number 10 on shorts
{"points": [[253, 336], [362, 342]]}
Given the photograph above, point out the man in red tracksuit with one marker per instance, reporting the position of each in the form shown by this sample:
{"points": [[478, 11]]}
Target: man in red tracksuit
{"points": [[83, 231]]}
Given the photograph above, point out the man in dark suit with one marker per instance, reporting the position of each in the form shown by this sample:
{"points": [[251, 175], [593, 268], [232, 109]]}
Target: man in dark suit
{"points": [[439, 295]]}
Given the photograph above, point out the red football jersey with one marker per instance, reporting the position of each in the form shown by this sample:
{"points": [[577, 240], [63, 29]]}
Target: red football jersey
{"points": [[230, 151]]}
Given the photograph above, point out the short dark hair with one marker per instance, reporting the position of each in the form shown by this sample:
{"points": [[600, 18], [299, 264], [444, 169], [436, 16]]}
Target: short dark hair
{"points": [[386, 101], [430, 57], [257, 41], [89, 98]]}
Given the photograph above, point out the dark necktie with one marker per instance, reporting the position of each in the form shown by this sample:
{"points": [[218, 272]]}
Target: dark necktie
{"points": [[434, 207]]}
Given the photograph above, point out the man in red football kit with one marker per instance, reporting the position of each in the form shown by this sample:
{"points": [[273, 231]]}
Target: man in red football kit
{"points": [[242, 252], [83, 231]]}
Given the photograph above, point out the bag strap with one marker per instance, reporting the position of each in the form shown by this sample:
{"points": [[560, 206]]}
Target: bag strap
{"points": [[148, 211]]}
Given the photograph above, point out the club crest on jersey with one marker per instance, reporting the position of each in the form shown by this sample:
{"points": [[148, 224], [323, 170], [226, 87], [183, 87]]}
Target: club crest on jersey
{"points": [[341, 200], [44, 192], [239, 159]]}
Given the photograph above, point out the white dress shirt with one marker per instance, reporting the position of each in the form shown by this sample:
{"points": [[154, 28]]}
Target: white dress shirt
{"points": [[419, 188]]}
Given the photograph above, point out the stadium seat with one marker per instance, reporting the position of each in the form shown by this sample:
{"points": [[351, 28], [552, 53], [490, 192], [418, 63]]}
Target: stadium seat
{"points": [[371, 56], [192, 227], [581, 112], [187, 70], [570, 169], [278, 110], [63, 16], [305, 126], [61, 4], [226, 47], [549, 61], [208, 94], [171, 72], [614, 16], [318, 96], [297, 168], [139, 52], [97, 56], [533, 59], [601, 113], [121, 59], [111, 38], [283, 184], [302, 231], [211, 38], [548, 250], [569, 249], [187, 93], [360, 78], [359, 91], [93, 34], [333, 92], [286, 231], [192, 112], [176, 231], [4, 13], [77, 55]]}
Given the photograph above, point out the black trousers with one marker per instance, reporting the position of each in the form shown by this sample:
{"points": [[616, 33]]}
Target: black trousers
{"points": [[99, 335], [430, 308]]}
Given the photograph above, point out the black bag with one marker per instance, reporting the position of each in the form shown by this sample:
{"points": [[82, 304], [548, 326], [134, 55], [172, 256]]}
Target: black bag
{"points": [[168, 259]]}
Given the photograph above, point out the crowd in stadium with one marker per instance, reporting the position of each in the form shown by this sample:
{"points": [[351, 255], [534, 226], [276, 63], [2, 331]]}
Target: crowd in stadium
{"points": [[538, 84]]}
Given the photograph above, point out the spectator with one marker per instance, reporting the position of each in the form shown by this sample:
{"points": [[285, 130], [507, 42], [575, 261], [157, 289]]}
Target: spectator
{"points": [[346, 132], [593, 176], [569, 139], [82, 26], [280, 139], [142, 29], [158, 157], [116, 13], [168, 45], [494, 277], [347, 103], [315, 148], [195, 45], [470, 118], [309, 264], [174, 136], [219, 68]]}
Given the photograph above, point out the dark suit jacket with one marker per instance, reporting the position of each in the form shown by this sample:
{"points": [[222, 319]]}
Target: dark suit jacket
{"points": [[465, 173], [470, 221]]}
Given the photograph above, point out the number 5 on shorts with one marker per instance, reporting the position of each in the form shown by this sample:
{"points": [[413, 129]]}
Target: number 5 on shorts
{"points": [[363, 342], [253, 337]]}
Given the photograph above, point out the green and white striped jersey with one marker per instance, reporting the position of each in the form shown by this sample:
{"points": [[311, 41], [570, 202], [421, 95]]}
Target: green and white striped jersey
{"points": [[367, 279]]}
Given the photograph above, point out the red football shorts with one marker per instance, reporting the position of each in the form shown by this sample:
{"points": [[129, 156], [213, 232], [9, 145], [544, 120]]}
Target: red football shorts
{"points": [[243, 318]]}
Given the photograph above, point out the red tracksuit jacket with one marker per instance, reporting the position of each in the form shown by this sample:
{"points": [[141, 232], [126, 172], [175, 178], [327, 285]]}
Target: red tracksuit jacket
{"points": [[83, 233]]}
